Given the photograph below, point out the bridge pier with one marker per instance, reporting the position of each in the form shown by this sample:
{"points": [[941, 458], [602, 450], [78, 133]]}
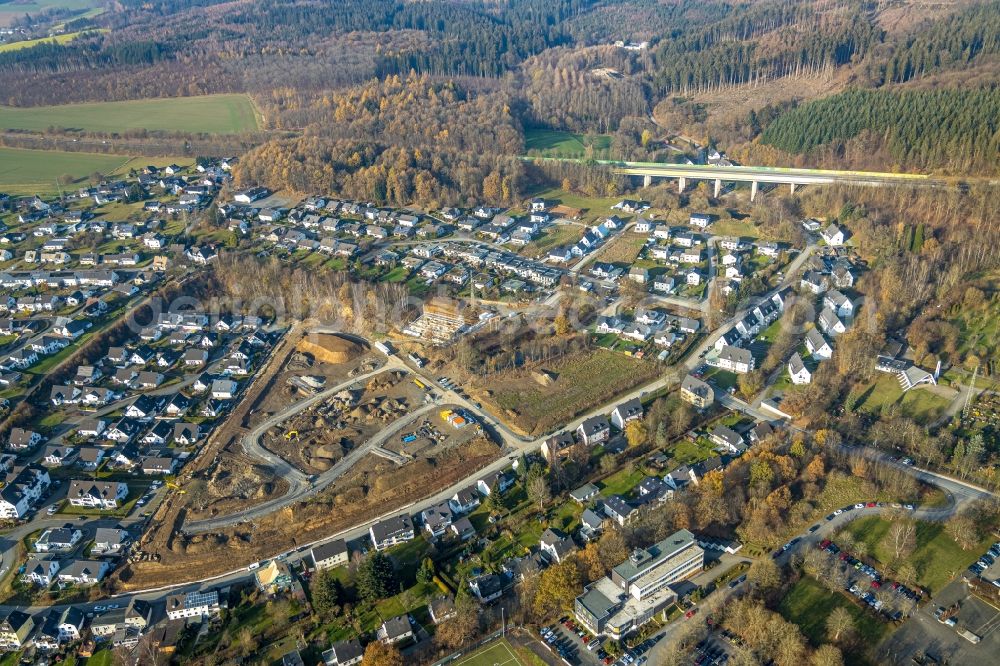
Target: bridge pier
{"points": [[718, 187], [792, 187], [647, 181], [681, 183], [753, 190]]}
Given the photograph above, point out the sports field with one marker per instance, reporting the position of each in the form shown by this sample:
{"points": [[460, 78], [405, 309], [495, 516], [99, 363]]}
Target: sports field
{"points": [[209, 114], [494, 654]]}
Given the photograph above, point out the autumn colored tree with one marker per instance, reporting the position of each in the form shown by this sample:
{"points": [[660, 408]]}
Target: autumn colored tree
{"points": [[839, 624], [636, 432], [558, 586], [379, 654]]}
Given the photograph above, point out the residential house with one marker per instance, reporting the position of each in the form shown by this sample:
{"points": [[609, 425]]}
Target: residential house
{"points": [[437, 519], [110, 541], [557, 445], [585, 493], [15, 627], [495, 482], [736, 360], [830, 323], [90, 458], [630, 410], [21, 439], [464, 501], [556, 545], [58, 539], [839, 303], [345, 653], [594, 430], [22, 489], [58, 456], [619, 510], [391, 531], [329, 555], [200, 605], [817, 344], [395, 630], [84, 572], [814, 282], [275, 577], [728, 439], [487, 588], [696, 392], [833, 235], [798, 371], [40, 572], [97, 494]]}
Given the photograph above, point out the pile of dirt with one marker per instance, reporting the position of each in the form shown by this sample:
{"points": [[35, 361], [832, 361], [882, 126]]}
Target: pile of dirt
{"points": [[543, 377], [331, 349]]}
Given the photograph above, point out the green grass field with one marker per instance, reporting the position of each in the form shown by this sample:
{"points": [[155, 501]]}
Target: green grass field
{"points": [[210, 114], [937, 558], [30, 171], [808, 604], [37, 171], [495, 654], [923, 404], [554, 143]]}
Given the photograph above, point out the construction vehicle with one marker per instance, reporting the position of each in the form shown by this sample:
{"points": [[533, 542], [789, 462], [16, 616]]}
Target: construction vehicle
{"points": [[420, 384], [171, 484], [292, 433]]}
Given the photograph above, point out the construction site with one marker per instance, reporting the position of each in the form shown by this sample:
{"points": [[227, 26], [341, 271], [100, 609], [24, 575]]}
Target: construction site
{"points": [[358, 429], [442, 321], [316, 438]]}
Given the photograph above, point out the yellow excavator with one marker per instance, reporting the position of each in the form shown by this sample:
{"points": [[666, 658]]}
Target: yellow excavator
{"points": [[171, 484], [292, 433]]}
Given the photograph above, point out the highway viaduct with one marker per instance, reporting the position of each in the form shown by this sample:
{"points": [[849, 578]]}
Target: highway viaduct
{"points": [[756, 175]]}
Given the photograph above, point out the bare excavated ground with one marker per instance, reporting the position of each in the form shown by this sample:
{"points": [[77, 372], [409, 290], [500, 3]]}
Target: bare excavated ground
{"points": [[230, 480], [316, 438], [374, 487]]}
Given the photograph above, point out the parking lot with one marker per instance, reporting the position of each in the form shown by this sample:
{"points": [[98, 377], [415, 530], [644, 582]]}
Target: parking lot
{"points": [[713, 650], [926, 635], [564, 639], [570, 641]]}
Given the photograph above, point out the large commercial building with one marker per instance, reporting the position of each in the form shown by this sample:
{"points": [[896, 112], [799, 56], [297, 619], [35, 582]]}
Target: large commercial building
{"points": [[639, 587]]}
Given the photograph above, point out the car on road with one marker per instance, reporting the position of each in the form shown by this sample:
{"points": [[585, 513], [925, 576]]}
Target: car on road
{"points": [[838, 512], [829, 518], [814, 528], [52, 509]]}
